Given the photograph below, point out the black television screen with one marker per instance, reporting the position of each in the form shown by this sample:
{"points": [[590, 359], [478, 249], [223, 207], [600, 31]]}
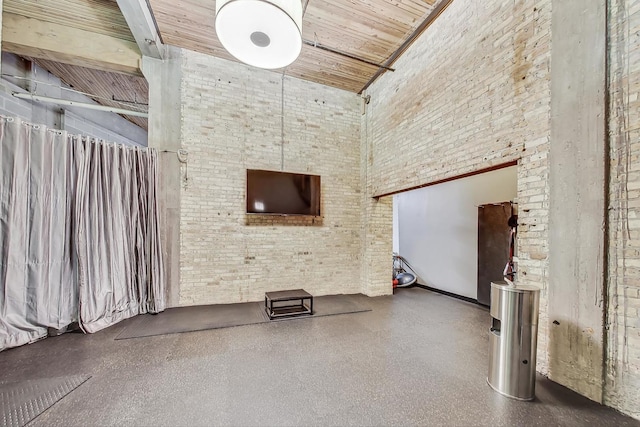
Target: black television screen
{"points": [[282, 193]]}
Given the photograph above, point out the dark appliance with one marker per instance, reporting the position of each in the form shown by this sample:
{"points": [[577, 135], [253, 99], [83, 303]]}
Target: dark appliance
{"points": [[282, 193], [494, 233]]}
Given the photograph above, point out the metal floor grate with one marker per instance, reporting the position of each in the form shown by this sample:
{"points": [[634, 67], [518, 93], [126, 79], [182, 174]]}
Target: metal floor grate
{"points": [[23, 401]]}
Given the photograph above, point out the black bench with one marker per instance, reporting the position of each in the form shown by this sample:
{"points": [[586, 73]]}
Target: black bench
{"points": [[288, 303]]}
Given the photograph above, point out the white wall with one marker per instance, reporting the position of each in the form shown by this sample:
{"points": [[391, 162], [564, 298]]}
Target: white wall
{"points": [[438, 228], [396, 234]]}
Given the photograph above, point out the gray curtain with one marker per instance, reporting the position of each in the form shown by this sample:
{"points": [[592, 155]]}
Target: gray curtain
{"points": [[78, 233]]}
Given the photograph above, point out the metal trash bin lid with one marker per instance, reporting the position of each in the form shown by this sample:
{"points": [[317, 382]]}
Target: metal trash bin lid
{"points": [[504, 286]]}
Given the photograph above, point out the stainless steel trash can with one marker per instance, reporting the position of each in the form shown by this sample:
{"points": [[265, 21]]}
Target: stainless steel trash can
{"points": [[513, 340]]}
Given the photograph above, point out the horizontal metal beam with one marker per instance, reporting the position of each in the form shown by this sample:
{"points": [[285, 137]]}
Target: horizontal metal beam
{"points": [[48, 100]]}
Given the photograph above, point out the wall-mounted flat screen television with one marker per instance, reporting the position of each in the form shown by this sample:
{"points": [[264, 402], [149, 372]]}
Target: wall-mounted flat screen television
{"points": [[282, 193]]}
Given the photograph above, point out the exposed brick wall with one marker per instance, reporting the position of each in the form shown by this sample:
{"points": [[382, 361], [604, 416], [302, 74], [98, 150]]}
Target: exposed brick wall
{"points": [[377, 246], [231, 121], [622, 389], [377, 224], [472, 92]]}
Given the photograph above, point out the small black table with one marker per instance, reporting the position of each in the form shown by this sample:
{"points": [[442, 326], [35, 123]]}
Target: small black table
{"points": [[293, 303]]}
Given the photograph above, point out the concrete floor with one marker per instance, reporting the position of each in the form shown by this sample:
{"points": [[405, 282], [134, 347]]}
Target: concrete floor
{"points": [[418, 358]]}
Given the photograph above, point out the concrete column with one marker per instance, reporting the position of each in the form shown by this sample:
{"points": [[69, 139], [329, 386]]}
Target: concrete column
{"points": [[164, 78], [578, 159], [46, 114], [1, 9]]}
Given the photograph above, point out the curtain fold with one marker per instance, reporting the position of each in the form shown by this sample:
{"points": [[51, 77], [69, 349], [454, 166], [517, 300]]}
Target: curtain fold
{"points": [[78, 233], [155, 284], [36, 268]]}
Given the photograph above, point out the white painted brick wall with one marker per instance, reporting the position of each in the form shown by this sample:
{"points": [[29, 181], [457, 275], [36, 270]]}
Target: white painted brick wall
{"points": [[622, 389], [230, 122]]}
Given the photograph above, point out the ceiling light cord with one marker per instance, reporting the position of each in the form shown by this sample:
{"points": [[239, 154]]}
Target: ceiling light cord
{"points": [[282, 123]]}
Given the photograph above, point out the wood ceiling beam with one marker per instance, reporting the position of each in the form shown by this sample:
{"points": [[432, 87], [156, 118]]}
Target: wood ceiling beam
{"points": [[46, 40], [143, 27]]}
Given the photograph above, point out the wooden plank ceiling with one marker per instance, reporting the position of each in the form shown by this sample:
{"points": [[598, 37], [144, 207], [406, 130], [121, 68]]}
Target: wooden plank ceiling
{"points": [[368, 29], [348, 42], [97, 16]]}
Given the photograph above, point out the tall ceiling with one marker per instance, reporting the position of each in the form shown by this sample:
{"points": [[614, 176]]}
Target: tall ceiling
{"points": [[371, 30], [347, 43]]}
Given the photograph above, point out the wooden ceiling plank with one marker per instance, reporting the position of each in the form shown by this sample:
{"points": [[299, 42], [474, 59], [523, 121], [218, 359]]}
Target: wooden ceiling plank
{"points": [[374, 50], [376, 27], [332, 70], [99, 16], [39, 39], [347, 55], [386, 31], [373, 16], [409, 41]]}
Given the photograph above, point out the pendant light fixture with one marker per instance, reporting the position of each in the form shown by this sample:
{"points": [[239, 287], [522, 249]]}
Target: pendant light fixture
{"points": [[262, 33]]}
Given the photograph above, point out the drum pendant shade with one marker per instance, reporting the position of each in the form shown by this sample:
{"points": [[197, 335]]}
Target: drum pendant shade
{"points": [[263, 33]]}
